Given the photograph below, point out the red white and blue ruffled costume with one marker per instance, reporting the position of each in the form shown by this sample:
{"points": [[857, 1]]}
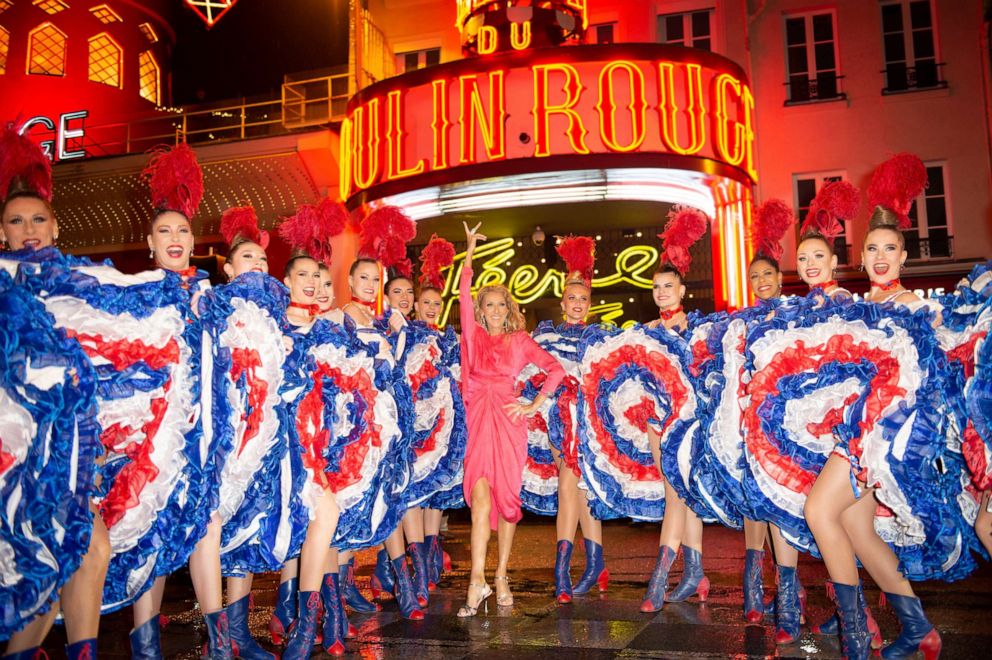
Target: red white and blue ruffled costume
{"points": [[438, 431], [49, 440], [630, 380], [449, 495], [247, 422]]}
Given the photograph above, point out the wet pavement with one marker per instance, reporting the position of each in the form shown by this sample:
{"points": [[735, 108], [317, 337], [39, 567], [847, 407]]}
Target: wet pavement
{"points": [[607, 625]]}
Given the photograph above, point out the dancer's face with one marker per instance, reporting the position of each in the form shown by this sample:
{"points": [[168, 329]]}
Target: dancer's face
{"points": [[575, 303], [429, 306], [365, 281], [171, 241], [765, 279], [399, 293], [28, 222], [667, 291], [325, 293], [303, 281], [815, 261], [248, 257], [883, 255]]}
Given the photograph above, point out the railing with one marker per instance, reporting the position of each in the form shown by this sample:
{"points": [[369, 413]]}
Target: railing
{"points": [[807, 89], [901, 78], [926, 249], [316, 100]]}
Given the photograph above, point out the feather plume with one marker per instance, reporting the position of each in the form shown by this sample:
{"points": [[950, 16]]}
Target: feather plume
{"points": [[836, 201], [383, 236], [436, 256], [23, 165], [175, 179], [579, 255], [685, 226], [896, 183], [771, 222], [241, 221], [312, 227]]}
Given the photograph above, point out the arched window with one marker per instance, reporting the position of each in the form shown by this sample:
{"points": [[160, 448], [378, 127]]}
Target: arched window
{"points": [[46, 51], [106, 59], [50, 6], [4, 47], [149, 77]]}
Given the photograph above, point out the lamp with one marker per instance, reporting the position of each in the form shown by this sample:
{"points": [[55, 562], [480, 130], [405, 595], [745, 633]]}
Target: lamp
{"points": [[538, 236]]}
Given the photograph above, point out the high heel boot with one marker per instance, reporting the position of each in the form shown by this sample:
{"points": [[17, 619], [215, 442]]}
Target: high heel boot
{"points": [[754, 591], [303, 636], [918, 634], [335, 624], [596, 573], [144, 641], [418, 557], [855, 640], [405, 597], [353, 598], [243, 645], [655, 596], [563, 580], [285, 612], [693, 581], [383, 579], [787, 607], [218, 636], [81, 650]]}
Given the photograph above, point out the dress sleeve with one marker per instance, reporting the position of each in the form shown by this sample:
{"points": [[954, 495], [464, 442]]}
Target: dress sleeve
{"points": [[532, 353], [466, 306]]}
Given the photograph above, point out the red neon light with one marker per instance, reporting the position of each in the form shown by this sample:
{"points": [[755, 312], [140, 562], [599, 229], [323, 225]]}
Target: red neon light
{"points": [[493, 126], [543, 110], [394, 139], [637, 107], [520, 41], [441, 123], [210, 11], [365, 129], [487, 41], [695, 111], [735, 153]]}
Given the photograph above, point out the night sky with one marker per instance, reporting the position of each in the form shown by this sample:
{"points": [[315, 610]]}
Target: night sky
{"points": [[253, 45]]}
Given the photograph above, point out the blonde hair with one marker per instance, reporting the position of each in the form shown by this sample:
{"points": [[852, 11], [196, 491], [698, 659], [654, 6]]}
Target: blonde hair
{"points": [[514, 317]]}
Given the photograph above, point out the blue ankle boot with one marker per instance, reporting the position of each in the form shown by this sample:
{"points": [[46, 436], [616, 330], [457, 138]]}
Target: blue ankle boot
{"points": [[353, 597], [285, 612], [144, 640], [787, 608], [655, 597], [383, 579], [335, 622], [433, 562], [243, 645], [405, 596], [918, 634], [563, 581], [754, 591], [595, 573], [693, 581], [418, 557], [27, 654], [218, 636], [303, 636], [855, 640], [82, 650]]}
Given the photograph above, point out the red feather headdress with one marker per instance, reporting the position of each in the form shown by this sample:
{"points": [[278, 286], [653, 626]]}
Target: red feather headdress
{"points": [[313, 226], [383, 236], [896, 183], [836, 201], [436, 256], [241, 221], [175, 179], [685, 226], [23, 165], [770, 223], [579, 255]]}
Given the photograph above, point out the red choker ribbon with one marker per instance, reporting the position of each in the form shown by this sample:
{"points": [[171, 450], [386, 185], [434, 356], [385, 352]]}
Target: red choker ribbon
{"points": [[825, 285], [370, 305], [669, 314], [891, 285], [313, 310], [186, 273]]}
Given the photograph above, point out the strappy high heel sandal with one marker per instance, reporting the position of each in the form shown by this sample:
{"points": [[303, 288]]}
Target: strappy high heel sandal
{"points": [[467, 610], [506, 600]]}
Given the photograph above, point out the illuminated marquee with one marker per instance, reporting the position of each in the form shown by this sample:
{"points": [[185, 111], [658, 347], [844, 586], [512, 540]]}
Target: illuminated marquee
{"points": [[67, 131], [587, 103]]}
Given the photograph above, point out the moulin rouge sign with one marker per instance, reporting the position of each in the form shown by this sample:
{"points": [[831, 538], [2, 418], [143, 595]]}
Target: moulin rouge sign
{"points": [[621, 105]]}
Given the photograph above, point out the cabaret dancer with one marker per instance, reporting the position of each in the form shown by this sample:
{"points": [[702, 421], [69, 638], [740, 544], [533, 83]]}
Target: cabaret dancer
{"points": [[681, 526], [495, 350], [815, 259], [841, 507], [578, 253], [28, 225]]}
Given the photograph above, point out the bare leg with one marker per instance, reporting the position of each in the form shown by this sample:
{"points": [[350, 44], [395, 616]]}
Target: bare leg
{"points": [[331, 563], [693, 534], [394, 543], [33, 634], [592, 529], [504, 543], [827, 500], [481, 507], [673, 524], [344, 557], [785, 554], [82, 594], [432, 521], [316, 547], [204, 569], [568, 505], [755, 534], [875, 554], [983, 524], [413, 525], [149, 604], [239, 587]]}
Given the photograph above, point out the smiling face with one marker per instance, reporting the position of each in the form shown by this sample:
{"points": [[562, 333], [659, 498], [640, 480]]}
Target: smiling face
{"points": [[765, 280], [575, 303], [883, 255], [28, 222], [399, 293], [303, 281], [667, 291], [325, 292], [429, 306], [815, 261], [171, 241], [364, 281], [494, 310], [247, 257]]}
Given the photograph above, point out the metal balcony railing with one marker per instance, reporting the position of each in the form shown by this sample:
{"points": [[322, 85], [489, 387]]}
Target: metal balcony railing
{"points": [[807, 89], [901, 78]]}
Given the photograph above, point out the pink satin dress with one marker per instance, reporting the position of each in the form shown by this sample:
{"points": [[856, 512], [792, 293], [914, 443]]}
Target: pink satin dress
{"points": [[497, 445]]}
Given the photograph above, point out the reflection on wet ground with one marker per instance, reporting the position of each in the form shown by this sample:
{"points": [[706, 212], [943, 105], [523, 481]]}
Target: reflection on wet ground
{"points": [[607, 625]]}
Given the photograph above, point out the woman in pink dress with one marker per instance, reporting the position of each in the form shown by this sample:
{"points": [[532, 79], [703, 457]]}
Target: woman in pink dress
{"points": [[495, 349]]}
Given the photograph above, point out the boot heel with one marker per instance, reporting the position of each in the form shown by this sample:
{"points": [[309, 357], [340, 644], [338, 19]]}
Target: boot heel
{"points": [[376, 587], [276, 631], [703, 590], [603, 580], [930, 646]]}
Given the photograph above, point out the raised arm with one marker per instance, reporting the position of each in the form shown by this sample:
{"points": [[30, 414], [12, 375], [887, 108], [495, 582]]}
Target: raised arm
{"points": [[466, 307]]}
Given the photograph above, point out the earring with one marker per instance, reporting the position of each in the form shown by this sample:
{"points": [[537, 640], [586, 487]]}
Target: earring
{"points": [[861, 267], [151, 253]]}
